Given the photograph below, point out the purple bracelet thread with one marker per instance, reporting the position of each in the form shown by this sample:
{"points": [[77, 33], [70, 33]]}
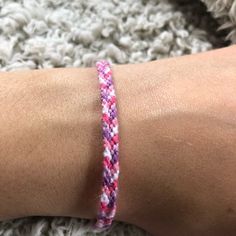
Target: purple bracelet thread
{"points": [[107, 207]]}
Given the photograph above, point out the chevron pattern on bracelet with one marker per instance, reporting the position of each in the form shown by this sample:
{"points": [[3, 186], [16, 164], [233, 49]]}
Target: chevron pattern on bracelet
{"points": [[107, 208]]}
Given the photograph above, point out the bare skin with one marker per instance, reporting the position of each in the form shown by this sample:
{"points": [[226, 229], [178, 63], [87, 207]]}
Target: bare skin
{"points": [[177, 144]]}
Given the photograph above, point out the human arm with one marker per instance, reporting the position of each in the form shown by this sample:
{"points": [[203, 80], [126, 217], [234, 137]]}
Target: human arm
{"points": [[177, 130]]}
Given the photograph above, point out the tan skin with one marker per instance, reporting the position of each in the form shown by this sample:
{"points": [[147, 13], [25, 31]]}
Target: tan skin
{"points": [[177, 144]]}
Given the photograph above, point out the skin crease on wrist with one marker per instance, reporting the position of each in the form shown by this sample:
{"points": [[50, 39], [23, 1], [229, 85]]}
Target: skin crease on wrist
{"points": [[177, 144]]}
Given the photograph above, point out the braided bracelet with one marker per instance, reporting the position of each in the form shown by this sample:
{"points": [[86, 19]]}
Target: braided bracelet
{"points": [[107, 207]]}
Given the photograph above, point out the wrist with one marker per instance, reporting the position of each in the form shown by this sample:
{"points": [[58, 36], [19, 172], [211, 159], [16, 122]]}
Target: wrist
{"points": [[51, 141]]}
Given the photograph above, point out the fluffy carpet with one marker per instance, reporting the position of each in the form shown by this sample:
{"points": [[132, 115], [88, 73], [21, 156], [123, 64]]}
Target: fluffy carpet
{"points": [[48, 33]]}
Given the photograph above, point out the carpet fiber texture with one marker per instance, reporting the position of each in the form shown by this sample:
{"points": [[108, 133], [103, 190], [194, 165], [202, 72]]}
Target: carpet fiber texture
{"points": [[47, 33]]}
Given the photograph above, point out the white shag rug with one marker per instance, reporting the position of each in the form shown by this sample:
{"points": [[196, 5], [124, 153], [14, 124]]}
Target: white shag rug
{"points": [[59, 33]]}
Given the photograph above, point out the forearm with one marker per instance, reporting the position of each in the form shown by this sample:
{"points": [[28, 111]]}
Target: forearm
{"points": [[178, 135], [177, 130]]}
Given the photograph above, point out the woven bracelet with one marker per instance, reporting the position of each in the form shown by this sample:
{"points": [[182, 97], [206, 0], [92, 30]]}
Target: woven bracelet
{"points": [[107, 206]]}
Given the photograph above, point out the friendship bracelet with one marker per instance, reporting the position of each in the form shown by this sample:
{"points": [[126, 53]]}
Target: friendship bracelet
{"points": [[107, 207]]}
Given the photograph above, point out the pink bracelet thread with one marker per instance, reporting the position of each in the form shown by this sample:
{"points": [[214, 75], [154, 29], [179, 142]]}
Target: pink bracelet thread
{"points": [[107, 207]]}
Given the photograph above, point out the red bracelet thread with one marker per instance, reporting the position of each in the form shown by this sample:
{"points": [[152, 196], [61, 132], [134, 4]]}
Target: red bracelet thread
{"points": [[107, 207]]}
